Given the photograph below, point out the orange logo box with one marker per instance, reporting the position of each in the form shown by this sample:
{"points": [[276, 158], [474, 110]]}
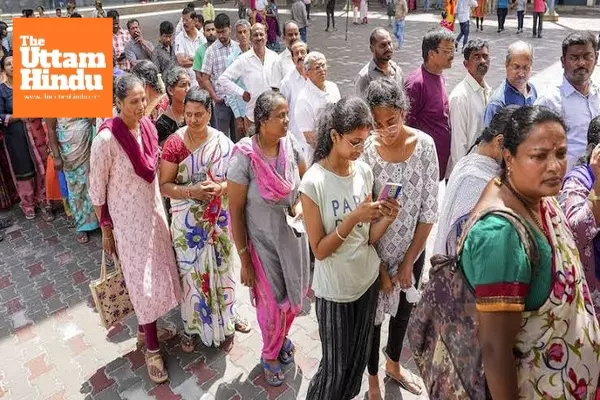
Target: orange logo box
{"points": [[62, 67]]}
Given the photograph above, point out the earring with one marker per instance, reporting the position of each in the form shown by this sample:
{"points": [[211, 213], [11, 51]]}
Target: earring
{"points": [[508, 171]]}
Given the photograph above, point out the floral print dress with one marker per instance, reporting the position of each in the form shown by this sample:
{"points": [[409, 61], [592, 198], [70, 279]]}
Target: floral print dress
{"points": [[200, 233]]}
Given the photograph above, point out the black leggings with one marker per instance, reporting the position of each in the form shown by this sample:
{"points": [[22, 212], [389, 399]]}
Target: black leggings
{"points": [[397, 327]]}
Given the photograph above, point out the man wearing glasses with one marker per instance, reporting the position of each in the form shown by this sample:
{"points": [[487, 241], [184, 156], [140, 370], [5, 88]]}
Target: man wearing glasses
{"points": [[577, 98], [426, 88], [516, 88]]}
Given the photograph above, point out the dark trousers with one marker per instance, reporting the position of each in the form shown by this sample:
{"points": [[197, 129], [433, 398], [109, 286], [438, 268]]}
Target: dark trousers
{"points": [[479, 22], [464, 34], [538, 21], [502, 12], [346, 332], [307, 11], [225, 120], [397, 327], [303, 35], [520, 16], [329, 10]]}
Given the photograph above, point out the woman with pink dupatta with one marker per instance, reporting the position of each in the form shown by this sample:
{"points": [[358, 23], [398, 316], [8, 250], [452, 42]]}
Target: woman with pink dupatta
{"points": [[263, 179], [123, 187]]}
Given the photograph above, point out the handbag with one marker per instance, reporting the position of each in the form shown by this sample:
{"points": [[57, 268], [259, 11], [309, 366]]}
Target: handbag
{"points": [[443, 326], [110, 294]]}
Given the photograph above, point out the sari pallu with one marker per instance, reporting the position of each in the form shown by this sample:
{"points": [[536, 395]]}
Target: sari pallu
{"points": [[203, 248], [75, 137]]}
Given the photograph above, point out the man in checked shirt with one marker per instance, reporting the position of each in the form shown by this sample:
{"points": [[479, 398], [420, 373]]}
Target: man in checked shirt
{"points": [[120, 39]]}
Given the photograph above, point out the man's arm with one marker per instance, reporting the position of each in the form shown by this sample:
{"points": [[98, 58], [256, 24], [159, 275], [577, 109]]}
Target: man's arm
{"points": [[459, 125], [183, 60], [228, 78]]}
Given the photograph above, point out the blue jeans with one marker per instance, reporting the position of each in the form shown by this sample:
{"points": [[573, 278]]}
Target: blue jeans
{"points": [[303, 34], [464, 34], [399, 32]]}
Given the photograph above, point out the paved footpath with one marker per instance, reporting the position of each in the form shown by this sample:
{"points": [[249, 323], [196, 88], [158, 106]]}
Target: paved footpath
{"points": [[51, 343]]}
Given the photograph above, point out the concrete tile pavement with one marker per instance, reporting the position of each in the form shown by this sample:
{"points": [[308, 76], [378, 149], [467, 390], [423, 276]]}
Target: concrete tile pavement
{"points": [[51, 343]]}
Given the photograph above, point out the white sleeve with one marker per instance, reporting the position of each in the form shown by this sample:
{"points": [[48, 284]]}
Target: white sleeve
{"points": [[459, 117], [179, 46], [228, 78], [304, 115], [277, 73]]}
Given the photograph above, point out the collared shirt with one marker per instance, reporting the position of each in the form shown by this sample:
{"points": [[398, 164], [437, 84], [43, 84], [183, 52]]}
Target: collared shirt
{"points": [[255, 76], [283, 66], [463, 9], [291, 87], [187, 46], [505, 95], [215, 62], [120, 39], [311, 101], [467, 105], [576, 110], [299, 15], [135, 52], [163, 57], [370, 72], [235, 102]]}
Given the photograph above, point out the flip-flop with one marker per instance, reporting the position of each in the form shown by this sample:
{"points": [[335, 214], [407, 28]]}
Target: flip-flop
{"points": [[407, 382], [286, 354], [272, 374], [82, 237]]}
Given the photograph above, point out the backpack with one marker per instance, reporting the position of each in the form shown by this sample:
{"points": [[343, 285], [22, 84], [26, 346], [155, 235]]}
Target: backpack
{"points": [[443, 326]]}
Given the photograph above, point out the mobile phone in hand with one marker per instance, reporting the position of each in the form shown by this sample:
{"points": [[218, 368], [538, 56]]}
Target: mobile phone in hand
{"points": [[390, 190]]}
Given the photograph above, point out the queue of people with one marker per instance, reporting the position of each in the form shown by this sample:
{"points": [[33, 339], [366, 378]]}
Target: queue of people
{"points": [[223, 149]]}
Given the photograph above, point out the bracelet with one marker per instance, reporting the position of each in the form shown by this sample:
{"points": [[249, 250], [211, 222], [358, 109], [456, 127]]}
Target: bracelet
{"points": [[242, 251], [340, 236]]}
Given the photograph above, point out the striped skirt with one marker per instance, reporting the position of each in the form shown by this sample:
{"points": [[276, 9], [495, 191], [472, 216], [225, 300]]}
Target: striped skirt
{"points": [[346, 332]]}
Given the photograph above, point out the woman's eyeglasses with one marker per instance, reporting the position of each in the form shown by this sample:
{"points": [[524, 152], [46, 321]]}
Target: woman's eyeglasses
{"points": [[358, 146], [389, 131]]}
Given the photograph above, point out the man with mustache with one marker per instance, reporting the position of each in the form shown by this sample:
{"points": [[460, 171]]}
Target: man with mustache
{"points": [[516, 88], [468, 100], [381, 65], [284, 64], [577, 98]]}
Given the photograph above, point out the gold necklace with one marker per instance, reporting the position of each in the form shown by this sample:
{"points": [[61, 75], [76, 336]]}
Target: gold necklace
{"points": [[527, 204]]}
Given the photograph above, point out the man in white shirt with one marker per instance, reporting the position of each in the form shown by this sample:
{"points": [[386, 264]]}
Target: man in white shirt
{"points": [[179, 27], [463, 15], [284, 64], [186, 44], [291, 87], [314, 97], [577, 98], [468, 100], [253, 69]]}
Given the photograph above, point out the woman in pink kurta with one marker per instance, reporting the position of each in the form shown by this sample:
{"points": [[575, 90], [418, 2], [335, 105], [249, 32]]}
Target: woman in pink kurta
{"points": [[124, 188]]}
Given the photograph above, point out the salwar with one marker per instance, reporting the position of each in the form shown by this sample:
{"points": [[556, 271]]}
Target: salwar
{"points": [[151, 335], [79, 199], [274, 321], [346, 332], [397, 326], [31, 192]]}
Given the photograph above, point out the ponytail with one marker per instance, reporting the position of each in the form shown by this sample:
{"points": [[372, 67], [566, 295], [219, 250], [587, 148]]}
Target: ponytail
{"points": [[324, 127]]}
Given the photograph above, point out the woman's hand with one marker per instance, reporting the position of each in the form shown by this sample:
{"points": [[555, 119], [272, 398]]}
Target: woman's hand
{"points": [[595, 160], [205, 191], [247, 275], [108, 242], [390, 208], [297, 209], [367, 211], [404, 275]]}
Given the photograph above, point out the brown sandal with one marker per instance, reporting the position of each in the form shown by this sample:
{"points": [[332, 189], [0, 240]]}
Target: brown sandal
{"points": [[156, 368], [188, 344]]}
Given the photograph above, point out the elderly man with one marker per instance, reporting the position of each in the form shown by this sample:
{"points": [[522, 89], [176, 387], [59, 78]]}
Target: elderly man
{"points": [[577, 98], [253, 70], [313, 98], [215, 63], [381, 65], [120, 38], [292, 85], [468, 100], [187, 42], [426, 89], [284, 64], [137, 49], [516, 88]]}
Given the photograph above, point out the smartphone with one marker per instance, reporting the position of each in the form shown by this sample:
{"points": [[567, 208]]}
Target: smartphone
{"points": [[390, 190]]}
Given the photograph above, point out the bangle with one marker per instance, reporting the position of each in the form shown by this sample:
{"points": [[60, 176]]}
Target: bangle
{"points": [[242, 251], [593, 196], [340, 236]]}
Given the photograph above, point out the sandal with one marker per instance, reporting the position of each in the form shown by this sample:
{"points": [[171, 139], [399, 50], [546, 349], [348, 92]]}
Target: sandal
{"points": [[47, 213], [29, 214], [156, 367], [5, 223], [241, 325], [273, 375], [286, 354], [407, 380], [82, 237], [188, 343], [162, 333]]}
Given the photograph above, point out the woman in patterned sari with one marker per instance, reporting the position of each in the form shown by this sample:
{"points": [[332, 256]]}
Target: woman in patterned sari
{"points": [[537, 329], [70, 140], [193, 171]]}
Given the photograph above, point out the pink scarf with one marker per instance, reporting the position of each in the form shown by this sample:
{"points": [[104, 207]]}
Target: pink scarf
{"points": [[271, 185]]}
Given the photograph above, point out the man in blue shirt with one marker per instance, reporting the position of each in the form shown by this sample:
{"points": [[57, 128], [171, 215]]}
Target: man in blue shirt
{"points": [[516, 88]]}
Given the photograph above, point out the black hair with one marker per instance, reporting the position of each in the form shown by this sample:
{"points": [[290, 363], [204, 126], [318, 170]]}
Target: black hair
{"points": [[191, 5], [385, 92], [166, 28], [114, 14], [3, 61], [374, 33], [474, 45], [131, 22], [125, 83], [522, 122], [187, 10], [149, 74], [199, 17], [289, 22], [76, 15], [222, 21], [345, 116], [593, 137], [210, 21], [432, 40], [197, 95], [28, 13], [444, 14], [497, 125], [264, 106], [579, 38]]}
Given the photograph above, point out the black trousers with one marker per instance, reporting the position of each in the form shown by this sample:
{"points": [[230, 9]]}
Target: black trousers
{"points": [[538, 22], [329, 10], [502, 12], [397, 327], [307, 11], [520, 17]]}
